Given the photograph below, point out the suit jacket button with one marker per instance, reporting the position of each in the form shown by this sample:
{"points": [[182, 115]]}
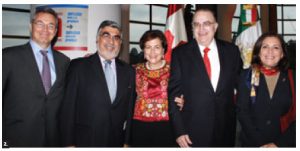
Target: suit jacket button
{"points": [[268, 122]]}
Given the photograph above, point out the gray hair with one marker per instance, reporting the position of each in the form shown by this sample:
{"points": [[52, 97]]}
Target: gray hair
{"points": [[109, 23]]}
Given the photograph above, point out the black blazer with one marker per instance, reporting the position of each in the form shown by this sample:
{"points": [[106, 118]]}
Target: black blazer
{"points": [[29, 115], [208, 117], [88, 119], [260, 121]]}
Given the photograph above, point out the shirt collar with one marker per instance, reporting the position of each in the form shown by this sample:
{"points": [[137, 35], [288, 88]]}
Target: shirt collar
{"points": [[212, 46], [36, 48], [102, 60]]}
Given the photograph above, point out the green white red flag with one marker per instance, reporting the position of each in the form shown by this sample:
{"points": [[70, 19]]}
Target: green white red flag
{"points": [[248, 32]]}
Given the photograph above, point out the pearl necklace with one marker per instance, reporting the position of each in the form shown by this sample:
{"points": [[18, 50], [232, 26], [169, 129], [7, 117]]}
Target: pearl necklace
{"points": [[161, 65]]}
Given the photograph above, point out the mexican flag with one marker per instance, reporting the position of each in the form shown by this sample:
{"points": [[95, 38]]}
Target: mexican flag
{"points": [[175, 28], [248, 32]]}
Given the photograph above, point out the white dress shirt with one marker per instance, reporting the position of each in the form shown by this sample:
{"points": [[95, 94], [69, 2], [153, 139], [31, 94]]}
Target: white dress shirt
{"points": [[39, 59], [214, 60]]}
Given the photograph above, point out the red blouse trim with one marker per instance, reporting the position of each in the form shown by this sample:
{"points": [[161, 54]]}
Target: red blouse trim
{"points": [[151, 87]]}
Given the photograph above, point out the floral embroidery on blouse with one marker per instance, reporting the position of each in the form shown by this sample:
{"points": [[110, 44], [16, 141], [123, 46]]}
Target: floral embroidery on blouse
{"points": [[152, 97]]}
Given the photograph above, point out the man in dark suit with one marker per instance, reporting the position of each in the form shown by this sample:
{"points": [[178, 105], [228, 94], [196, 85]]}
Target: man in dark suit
{"points": [[205, 71], [32, 85], [99, 90]]}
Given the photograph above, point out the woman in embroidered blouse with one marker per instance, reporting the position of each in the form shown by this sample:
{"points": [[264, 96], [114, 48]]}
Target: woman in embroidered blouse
{"points": [[266, 99], [150, 126]]}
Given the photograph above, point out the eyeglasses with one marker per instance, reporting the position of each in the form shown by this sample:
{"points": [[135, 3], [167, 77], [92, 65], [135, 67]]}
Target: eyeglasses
{"points": [[206, 24], [107, 36], [42, 25]]}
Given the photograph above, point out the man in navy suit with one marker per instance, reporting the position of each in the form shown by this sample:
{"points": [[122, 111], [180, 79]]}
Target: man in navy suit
{"points": [[205, 71], [98, 95], [33, 85]]}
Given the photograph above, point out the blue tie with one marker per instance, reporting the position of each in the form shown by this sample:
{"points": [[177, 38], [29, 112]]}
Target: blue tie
{"points": [[110, 80]]}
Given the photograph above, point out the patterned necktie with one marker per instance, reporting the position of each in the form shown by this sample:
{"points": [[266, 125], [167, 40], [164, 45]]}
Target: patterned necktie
{"points": [[207, 62], [110, 80], [46, 75]]}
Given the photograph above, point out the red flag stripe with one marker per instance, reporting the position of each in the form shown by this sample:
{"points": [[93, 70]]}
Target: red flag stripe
{"points": [[173, 8], [175, 29], [254, 14]]}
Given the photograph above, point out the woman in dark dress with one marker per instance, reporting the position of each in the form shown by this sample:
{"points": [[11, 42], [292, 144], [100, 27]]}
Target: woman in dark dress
{"points": [[266, 98]]}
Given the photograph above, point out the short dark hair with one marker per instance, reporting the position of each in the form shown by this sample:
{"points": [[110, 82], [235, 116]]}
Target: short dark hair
{"points": [[283, 63], [109, 23], [206, 10], [153, 34], [48, 10]]}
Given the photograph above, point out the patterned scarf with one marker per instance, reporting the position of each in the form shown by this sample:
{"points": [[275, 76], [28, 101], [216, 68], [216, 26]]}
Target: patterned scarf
{"points": [[268, 72], [253, 82]]}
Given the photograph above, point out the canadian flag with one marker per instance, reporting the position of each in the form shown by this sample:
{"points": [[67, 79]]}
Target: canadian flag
{"points": [[175, 28]]}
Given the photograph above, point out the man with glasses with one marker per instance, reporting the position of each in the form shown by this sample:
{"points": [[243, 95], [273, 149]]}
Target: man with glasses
{"points": [[98, 94], [32, 86], [205, 71]]}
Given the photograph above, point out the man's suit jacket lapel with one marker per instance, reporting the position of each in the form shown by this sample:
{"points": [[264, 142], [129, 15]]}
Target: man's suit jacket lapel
{"points": [[98, 70], [223, 67], [121, 78], [199, 63], [58, 70], [33, 68], [121, 81]]}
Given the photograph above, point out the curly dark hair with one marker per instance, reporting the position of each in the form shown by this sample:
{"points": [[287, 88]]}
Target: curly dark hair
{"points": [[153, 34], [283, 63]]}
